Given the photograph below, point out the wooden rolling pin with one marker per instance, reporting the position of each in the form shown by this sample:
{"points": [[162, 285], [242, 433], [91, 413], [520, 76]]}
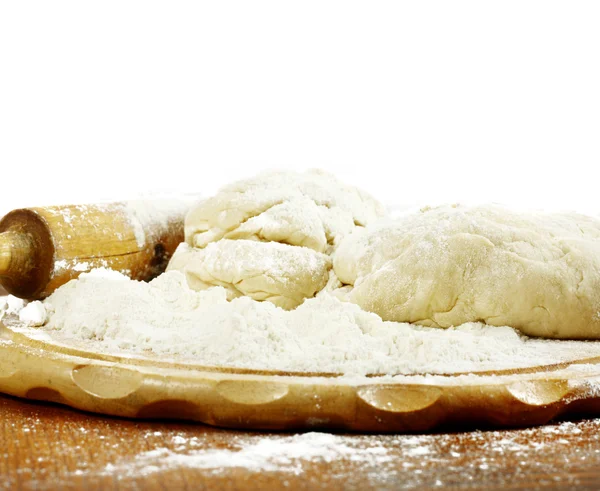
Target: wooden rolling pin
{"points": [[43, 248]]}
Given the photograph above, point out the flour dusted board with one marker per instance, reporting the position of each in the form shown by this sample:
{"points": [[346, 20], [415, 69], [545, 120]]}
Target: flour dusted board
{"points": [[105, 312], [142, 388]]}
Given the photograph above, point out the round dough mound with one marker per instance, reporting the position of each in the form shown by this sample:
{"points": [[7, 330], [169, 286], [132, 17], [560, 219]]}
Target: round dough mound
{"points": [[269, 237], [311, 209], [280, 273], [446, 266]]}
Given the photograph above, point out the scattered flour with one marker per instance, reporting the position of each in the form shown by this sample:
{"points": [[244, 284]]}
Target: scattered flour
{"points": [[564, 454], [33, 314], [10, 305], [454, 460], [263, 454], [78, 266], [106, 311]]}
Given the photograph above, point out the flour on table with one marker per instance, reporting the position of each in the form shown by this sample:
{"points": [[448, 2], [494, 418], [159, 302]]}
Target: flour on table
{"points": [[501, 458], [106, 311], [261, 454]]}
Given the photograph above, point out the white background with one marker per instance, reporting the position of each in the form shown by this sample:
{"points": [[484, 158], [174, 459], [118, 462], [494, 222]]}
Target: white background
{"points": [[416, 102]]}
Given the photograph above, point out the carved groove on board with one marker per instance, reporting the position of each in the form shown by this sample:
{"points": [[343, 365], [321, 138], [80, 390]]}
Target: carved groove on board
{"points": [[107, 382], [399, 399], [539, 392]]}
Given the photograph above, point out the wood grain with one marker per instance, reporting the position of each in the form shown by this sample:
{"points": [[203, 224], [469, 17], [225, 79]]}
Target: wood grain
{"points": [[53, 447]]}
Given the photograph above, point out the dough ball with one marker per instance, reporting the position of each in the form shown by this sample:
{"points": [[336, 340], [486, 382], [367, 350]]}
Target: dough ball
{"points": [[282, 274], [311, 209], [269, 237], [446, 266]]}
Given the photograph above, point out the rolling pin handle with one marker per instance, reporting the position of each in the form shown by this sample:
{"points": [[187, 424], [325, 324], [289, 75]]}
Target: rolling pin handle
{"points": [[5, 254], [26, 252], [15, 250]]}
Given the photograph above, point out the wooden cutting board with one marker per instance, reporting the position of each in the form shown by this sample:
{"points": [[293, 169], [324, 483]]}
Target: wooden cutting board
{"points": [[139, 387]]}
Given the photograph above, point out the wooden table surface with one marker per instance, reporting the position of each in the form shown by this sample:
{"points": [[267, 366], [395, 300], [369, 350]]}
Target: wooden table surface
{"points": [[48, 446]]}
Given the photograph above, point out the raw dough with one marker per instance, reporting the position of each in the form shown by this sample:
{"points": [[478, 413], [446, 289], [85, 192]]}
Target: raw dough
{"points": [[282, 274], [269, 237], [311, 209], [446, 266]]}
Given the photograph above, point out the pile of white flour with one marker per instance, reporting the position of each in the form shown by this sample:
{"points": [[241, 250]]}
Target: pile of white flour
{"points": [[106, 311]]}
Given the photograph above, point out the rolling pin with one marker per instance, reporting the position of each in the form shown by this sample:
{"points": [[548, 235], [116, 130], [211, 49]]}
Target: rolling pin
{"points": [[43, 248]]}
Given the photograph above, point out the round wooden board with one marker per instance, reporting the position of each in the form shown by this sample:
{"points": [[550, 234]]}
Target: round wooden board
{"points": [[143, 388]]}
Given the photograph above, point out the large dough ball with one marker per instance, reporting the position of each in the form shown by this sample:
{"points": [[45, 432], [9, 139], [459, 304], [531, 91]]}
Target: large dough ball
{"points": [[269, 237], [446, 266], [311, 209]]}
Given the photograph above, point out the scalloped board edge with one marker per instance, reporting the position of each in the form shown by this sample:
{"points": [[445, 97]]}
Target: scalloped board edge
{"points": [[279, 402]]}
